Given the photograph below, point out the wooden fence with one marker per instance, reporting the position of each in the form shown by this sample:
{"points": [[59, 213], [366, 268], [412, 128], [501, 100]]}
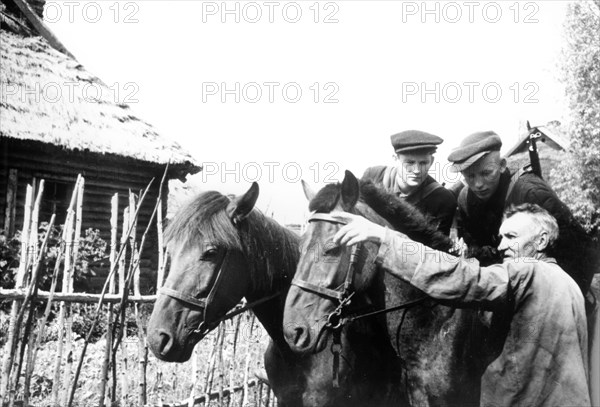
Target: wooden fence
{"points": [[117, 370]]}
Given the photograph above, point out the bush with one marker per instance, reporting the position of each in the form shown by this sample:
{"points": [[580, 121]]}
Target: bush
{"points": [[92, 249]]}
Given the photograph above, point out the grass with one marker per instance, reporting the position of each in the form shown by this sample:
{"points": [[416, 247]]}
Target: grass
{"points": [[166, 382]]}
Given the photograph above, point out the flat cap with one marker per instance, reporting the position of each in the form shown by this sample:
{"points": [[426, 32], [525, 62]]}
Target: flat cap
{"points": [[472, 148], [411, 140]]}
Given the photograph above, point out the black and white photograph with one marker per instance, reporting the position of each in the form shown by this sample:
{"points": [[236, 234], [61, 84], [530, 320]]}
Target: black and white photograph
{"points": [[309, 203]]}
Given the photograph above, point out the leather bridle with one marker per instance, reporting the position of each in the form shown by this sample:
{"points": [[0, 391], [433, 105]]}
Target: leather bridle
{"points": [[343, 293], [205, 303]]}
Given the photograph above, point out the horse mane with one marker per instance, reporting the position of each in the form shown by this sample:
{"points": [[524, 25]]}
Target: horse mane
{"points": [[401, 215], [270, 249]]}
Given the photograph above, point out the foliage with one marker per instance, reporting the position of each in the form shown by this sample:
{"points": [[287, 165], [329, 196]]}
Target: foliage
{"points": [[578, 176], [10, 248], [92, 249]]}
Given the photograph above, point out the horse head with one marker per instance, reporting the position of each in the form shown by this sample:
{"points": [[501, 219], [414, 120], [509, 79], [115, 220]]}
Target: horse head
{"points": [[208, 273], [328, 276]]}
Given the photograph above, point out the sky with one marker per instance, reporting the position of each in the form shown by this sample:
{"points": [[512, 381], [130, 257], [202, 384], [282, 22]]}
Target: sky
{"points": [[278, 91]]}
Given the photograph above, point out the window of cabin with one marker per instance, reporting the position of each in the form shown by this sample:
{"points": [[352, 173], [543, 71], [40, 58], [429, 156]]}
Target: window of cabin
{"points": [[56, 199]]}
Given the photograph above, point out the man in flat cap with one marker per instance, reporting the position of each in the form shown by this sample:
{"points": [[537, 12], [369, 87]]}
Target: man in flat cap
{"points": [[491, 189], [409, 178]]}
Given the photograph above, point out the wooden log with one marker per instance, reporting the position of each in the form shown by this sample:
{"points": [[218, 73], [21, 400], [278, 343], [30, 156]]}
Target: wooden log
{"points": [[205, 398], [14, 294], [13, 329]]}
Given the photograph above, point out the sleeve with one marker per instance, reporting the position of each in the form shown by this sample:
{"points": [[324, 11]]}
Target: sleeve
{"points": [[452, 279]]}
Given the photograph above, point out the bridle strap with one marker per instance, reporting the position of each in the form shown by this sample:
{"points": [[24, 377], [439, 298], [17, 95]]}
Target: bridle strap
{"points": [[327, 218], [207, 327], [188, 299], [346, 287], [327, 292]]}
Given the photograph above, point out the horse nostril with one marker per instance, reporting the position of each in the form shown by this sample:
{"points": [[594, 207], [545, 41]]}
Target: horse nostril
{"points": [[299, 338], [166, 342]]}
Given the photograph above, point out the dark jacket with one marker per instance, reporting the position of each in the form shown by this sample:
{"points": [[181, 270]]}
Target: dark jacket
{"points": [[439, 204], [479, 225]]}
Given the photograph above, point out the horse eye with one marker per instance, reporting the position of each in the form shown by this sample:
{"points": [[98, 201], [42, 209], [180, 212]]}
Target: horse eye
{"points": [[209, 254]]}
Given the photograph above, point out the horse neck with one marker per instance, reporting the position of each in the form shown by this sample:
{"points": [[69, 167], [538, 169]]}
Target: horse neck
{"points": [[270, 313]]}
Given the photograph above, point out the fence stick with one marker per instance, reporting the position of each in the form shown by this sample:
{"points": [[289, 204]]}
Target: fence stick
{"points": [[31, 294], [160, 275], [232, 361], [13, 329], [194, 376], [106, 364], [211, 363], [70, 264], [31, 339], [142, 348], [221, 364], [247, 363]]}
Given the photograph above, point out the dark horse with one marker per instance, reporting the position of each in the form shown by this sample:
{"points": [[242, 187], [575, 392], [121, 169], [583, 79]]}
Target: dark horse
{"points": [[222, 250], [437, 344]]}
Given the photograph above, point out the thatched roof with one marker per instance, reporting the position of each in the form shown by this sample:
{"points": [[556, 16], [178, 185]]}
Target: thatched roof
{"points": [[49, 97]]}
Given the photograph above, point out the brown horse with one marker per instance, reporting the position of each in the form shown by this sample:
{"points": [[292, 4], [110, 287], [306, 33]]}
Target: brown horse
{"points": [[438, 345], [222, 250]]}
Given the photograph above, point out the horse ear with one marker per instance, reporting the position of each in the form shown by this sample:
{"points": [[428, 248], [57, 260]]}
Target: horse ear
{"points": [[350, 190], [308, 191], [240, 207], [528, 126]]}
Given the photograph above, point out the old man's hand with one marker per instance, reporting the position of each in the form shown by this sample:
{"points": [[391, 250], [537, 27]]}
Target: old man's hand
{"points": [[357, 230]]}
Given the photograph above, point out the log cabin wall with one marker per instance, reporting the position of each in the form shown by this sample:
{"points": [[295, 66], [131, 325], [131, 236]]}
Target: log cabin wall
{"points": [[105, 175]]}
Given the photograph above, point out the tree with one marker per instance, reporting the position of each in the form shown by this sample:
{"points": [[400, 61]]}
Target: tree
{"points": [[578, 176]]}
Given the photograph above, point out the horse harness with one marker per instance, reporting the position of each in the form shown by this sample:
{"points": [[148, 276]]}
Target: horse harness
{"points": [[204, 303], [343, 294]]}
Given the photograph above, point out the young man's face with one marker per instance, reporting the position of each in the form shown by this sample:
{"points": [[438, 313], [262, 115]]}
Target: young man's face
{"points": [[483, 177], [413, 167], [521, 237]]}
